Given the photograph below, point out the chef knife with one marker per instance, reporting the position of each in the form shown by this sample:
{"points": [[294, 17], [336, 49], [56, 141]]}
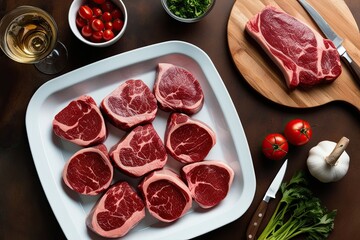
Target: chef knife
{"points": [[336, 39], [261, 210]]}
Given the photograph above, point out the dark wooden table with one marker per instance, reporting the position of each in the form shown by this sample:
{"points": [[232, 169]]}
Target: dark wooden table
{"points": [[24, 210]]}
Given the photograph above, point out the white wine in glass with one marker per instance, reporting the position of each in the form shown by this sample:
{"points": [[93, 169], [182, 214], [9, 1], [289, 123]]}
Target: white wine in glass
{"points": [[29, 35]]}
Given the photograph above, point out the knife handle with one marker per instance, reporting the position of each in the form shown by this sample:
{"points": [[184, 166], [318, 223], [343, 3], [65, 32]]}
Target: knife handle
{"points": [[256, 220], [354, 68]]}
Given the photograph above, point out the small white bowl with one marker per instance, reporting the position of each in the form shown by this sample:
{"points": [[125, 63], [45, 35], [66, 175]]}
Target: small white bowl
{"points": [[73, 11], [187, 20]]}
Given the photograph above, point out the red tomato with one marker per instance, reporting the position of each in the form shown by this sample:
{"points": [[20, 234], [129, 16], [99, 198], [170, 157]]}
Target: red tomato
{"points": [[96, 12], [109, 25], [80, 22], [98, 1], [298, 132], [100, 20], [118, 24], [275, 146], [85, 12], [86, 31], [106, 17], [107, 6], [97, 36], [97, 25], [108, 35], [116, 13]]}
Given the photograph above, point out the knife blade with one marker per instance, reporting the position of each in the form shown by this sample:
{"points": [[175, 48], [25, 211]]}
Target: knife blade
{"points": [[336, 39], [261, 209]]}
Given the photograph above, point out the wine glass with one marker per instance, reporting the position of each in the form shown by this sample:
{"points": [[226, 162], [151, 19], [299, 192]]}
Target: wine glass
{"points": [[29, 35]]}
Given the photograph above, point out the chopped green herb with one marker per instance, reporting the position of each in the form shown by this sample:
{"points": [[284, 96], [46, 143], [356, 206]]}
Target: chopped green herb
{"points": [[188, 8], [299, 213]]}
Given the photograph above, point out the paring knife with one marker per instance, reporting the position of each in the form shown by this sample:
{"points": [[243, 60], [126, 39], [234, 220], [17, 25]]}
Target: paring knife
{"points": [[330, 34], [261, 210]]}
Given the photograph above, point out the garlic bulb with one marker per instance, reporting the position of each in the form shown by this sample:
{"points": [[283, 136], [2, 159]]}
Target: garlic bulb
{"points": [[328, 161]]}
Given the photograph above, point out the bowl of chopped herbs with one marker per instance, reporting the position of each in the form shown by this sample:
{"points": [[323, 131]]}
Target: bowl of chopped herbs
{"points": [[188, 11]]}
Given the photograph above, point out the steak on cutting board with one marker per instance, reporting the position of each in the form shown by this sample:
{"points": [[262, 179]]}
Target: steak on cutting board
{"points": [[166, 196], [81, 122], [130, 104], [303, 55], [117, 211], [140, 151], [89, 171], [176, 89], [209, 181], [188, 140]]}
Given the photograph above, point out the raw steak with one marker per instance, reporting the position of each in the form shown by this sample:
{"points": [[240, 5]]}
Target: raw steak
{"points": [[116, 212], [303, 55], [140, 151], [80, 122], [209, 181], [188, 140], [166, 196], [89, 171], [130, 104], [176, 89]]}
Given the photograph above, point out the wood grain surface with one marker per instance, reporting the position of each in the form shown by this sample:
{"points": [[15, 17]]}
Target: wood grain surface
{"points": [[266, 78]]}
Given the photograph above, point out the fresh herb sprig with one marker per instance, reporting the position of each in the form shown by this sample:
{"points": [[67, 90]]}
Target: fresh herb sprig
{"points": [[188, 8], [299, 212]]}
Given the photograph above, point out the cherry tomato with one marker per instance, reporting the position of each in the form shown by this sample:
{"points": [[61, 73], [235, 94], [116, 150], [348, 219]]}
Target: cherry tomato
{"points": [[97, 25], [275, 146], [99, 20], [118, 24], [85, 12], [86, 31], [107, 6], [298, 132], [80, 22], [106, 16], [108, 35], [96, 12], [97, 36], [116, 13], [98, 1], [108, 25]]}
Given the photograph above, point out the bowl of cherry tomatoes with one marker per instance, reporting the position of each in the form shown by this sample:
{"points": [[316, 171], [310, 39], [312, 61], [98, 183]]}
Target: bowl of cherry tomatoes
{"points": [[98, 23]]}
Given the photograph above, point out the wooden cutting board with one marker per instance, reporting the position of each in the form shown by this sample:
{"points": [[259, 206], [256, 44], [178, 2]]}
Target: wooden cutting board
{"points": [[265, 77]]}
